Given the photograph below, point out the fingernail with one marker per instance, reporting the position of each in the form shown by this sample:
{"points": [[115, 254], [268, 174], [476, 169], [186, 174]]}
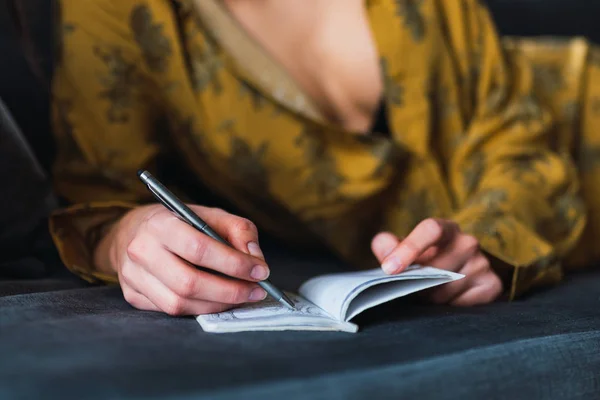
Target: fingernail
{"points": [[391, 266], [255, 251], [257, 294], [385, 245], [260, 273]]}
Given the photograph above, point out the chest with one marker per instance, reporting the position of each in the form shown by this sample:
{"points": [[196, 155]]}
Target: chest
{"points": [[326, 47]]}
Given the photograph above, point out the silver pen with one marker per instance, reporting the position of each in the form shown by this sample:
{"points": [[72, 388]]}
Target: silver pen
{"points": [[170, 201]]}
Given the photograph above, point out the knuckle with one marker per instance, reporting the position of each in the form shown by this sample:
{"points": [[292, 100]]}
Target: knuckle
{"points": [[236, 294], [174, 306], [245, 225], [482, 266], [496, 286], [470, 244], [137, 249], [195, 249], [187, 286], [479, 266], [485, 263], [129, 296], [127, 272], [239, 266], [433, 227]]}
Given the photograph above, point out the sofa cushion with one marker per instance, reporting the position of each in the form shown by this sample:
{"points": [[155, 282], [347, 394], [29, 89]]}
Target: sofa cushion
{"points": [[27, 195], [24, 94], [70, 341]]}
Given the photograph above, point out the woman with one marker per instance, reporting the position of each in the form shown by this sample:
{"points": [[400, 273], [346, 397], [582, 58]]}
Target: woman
{"points": [[401, 129]]}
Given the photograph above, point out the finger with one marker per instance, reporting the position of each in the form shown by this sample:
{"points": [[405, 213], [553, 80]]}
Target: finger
{"points": [[383, 244], [138, 300], [166, 300], [456, 254], [472, 269], [199, 249], [190, 283], [445, 293], [428, 256], [240, 232], [487, 291], [430, 232]]}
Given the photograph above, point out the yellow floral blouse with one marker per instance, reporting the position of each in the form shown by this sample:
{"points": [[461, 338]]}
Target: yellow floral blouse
{"points": [[496, 135]]}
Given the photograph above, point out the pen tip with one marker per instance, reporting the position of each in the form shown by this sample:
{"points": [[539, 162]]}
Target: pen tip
{"points": [[288, 303]]}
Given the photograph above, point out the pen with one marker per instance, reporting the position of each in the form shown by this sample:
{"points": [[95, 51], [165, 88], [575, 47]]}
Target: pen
{"points": [[170, 201]]}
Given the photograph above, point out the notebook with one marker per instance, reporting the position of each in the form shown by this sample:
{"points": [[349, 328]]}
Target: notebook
{"points": [[327, 302]]}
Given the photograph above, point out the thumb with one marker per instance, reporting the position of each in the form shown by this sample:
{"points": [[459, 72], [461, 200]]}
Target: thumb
{"points": [[383, 244]]}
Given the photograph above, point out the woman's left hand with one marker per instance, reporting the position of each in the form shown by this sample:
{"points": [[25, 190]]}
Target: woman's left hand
{"points": [[440, 243]]}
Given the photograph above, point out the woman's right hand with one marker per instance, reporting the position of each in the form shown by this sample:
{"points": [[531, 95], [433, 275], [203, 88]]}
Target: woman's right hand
{"points": [[153, 253]]}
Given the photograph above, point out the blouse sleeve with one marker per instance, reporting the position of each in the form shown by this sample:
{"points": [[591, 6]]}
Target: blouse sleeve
{"points": [[516, 192], [104, 111]]}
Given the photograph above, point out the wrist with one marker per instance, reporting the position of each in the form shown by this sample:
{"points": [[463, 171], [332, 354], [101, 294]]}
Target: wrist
{"points": [[105, 260]]}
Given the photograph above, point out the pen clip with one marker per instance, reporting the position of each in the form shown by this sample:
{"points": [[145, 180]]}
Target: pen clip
{"points": [[180, 210], [164, 203]]}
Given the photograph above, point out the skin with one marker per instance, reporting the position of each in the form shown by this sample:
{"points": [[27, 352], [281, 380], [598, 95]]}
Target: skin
{"points": [[441, 244], [147, 239], [324, 45]]}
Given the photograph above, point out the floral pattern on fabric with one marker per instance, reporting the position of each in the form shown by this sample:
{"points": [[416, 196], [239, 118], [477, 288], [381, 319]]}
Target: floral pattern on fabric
{"points": [[499, 135]]}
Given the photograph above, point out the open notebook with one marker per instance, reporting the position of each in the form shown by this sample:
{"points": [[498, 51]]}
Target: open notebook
{"points": [[327, 302]]}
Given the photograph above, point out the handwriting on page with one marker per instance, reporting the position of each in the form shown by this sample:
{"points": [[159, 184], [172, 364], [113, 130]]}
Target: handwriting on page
{"points": [[268, 309]]}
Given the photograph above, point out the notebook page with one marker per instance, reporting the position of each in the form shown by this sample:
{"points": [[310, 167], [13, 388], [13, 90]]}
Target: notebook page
{"points": [[270, 315], [334, 292], [384, 292]]}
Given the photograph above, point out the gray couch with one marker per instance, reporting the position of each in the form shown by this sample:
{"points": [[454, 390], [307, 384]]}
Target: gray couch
{"points": [[62, 338]]}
